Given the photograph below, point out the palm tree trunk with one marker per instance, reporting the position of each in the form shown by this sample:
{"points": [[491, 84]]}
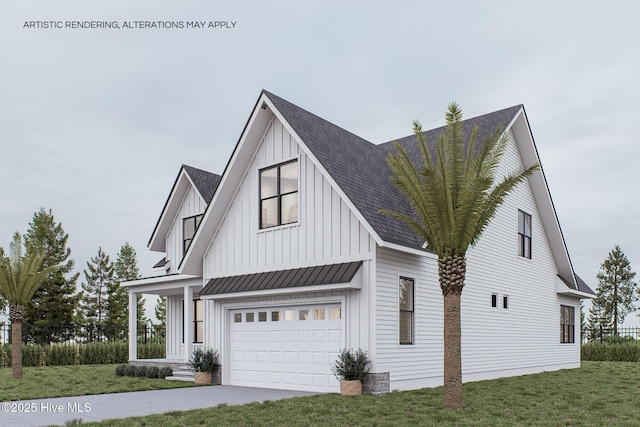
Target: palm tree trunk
{"points": [[16, 314], [451, 272]]}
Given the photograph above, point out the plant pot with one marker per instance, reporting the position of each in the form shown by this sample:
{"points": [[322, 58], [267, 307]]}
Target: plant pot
{"points": [[351, 388], [202, 378]]}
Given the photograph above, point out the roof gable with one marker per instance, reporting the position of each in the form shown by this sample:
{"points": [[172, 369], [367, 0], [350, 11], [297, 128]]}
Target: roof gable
{"points": [[205, 184], [359, 169]]}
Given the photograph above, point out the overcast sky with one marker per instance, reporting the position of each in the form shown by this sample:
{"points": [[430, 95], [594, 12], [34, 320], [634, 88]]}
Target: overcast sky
{"points": [[95, 123]]}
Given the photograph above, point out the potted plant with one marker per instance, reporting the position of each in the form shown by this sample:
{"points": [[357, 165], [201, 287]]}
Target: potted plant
{"points": [[350, 369], [204, 362]]}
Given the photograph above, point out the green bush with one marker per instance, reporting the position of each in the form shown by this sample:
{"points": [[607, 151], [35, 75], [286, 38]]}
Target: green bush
{"points": [[33, 355], [152, 351], [5, 355], [120, 370], [152, 372], [80, 354], [602, 351], [617, 339], [141, 371], [351, 365], [164, 372], [58, 354], [129, 370]]}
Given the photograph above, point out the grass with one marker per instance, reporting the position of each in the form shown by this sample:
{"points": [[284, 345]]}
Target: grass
{"points": [[598, 394], [59, 381]]}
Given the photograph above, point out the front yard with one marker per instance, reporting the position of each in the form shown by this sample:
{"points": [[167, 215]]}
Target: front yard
{"points": [[59, 381], [598, 394]]}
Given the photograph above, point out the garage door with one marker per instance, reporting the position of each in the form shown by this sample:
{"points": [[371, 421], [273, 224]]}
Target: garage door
{"points": [[286, 347]]}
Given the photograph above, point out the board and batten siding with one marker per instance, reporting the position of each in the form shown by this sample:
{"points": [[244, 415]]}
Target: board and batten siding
{"points": [[327, 231], [495, 342], [192, 204]]}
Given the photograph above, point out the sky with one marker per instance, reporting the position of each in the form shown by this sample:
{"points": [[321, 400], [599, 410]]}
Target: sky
{"points": [[96, 122]]}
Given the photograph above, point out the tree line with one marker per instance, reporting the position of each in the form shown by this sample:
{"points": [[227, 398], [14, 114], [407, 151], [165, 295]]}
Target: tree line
{"points": [[59, 308]]}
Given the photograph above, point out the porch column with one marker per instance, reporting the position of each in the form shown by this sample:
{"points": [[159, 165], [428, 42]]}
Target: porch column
{"points": [[133, 326], [188, 323]]}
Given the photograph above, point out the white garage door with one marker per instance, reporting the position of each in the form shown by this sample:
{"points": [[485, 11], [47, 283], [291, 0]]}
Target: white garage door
{"points": [[286, 347]]}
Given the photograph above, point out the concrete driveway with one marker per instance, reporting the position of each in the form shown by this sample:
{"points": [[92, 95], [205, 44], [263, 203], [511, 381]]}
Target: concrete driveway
{"points": [[56, 411]]}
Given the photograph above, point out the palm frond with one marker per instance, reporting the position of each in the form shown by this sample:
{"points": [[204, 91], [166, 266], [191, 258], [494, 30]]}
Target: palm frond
{"points": [[453, 193]]}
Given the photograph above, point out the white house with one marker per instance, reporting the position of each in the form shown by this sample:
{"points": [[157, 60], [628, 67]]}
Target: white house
{"points": [[284, 260]]}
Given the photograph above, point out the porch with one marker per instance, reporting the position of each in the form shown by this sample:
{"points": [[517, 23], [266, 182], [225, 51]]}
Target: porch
{"points": [[184, 321]]}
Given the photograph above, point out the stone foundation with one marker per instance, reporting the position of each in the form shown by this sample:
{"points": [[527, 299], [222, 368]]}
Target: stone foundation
{"points": [[216, 377], [376, 383]]}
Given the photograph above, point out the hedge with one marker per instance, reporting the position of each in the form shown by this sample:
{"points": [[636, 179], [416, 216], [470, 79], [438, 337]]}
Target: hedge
{"points": [[602, 351], [80, 354]]}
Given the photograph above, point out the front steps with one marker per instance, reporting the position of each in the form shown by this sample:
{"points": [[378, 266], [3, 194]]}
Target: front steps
{"points": [[182, 373]]}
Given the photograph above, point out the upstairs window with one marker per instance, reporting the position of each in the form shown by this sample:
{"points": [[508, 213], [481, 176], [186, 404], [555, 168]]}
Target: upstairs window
{"points": [[279, 195], [189, 227], [524, 234], [406, 309], [567, 324]]}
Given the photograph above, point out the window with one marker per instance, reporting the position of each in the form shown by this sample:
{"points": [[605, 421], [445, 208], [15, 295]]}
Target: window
{"points": [[189, 227], [198, 321], [567, 324], [406, 310], [494, 300], [279, 195], [505, 302], [524, 234]]}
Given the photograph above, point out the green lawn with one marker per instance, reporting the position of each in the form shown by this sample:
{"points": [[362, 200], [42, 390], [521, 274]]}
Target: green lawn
{"points": [[598, 394], [58, 381]]}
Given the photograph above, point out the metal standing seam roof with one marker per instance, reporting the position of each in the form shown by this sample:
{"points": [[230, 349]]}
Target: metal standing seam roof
{"points": [[281, 279]]}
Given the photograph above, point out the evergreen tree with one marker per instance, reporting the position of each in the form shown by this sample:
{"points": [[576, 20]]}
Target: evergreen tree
{"points": [[161, 315], [617, 293], [126, 268], [93, 302], [54, 303]]}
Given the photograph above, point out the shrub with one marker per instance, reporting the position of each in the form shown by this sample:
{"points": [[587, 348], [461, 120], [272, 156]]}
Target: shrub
{"points": [[351, 365], [5, 355], [204, 360], [141, 371], [617, 339], [120, 369], [602, 351], [152, 372], [129, 370], [164, 372], [155, 350]]}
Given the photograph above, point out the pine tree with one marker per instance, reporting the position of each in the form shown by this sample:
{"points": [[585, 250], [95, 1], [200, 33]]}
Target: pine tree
{"points": [[54, 304], [126, 268], [617, 293], [93, 302], [161, 314]]}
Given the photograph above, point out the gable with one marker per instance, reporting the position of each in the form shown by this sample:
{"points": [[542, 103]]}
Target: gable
{"points": [[326, 230], [192, 190], [356, 171]]}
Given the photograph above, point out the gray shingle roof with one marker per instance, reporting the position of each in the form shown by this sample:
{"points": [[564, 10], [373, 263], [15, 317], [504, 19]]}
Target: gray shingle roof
{"points": [[360, 167], [293, 278], [206, 182]]}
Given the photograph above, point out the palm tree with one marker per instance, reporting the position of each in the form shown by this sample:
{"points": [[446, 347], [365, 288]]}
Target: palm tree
{"points": [[454, 197], [20, 277]]}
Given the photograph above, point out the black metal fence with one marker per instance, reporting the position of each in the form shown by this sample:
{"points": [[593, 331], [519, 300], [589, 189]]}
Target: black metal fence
{"points": [[624, 334], [75, 334]]}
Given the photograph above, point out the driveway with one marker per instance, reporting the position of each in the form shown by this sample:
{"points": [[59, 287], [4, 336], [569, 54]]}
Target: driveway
{"points": [[56, 411]]}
